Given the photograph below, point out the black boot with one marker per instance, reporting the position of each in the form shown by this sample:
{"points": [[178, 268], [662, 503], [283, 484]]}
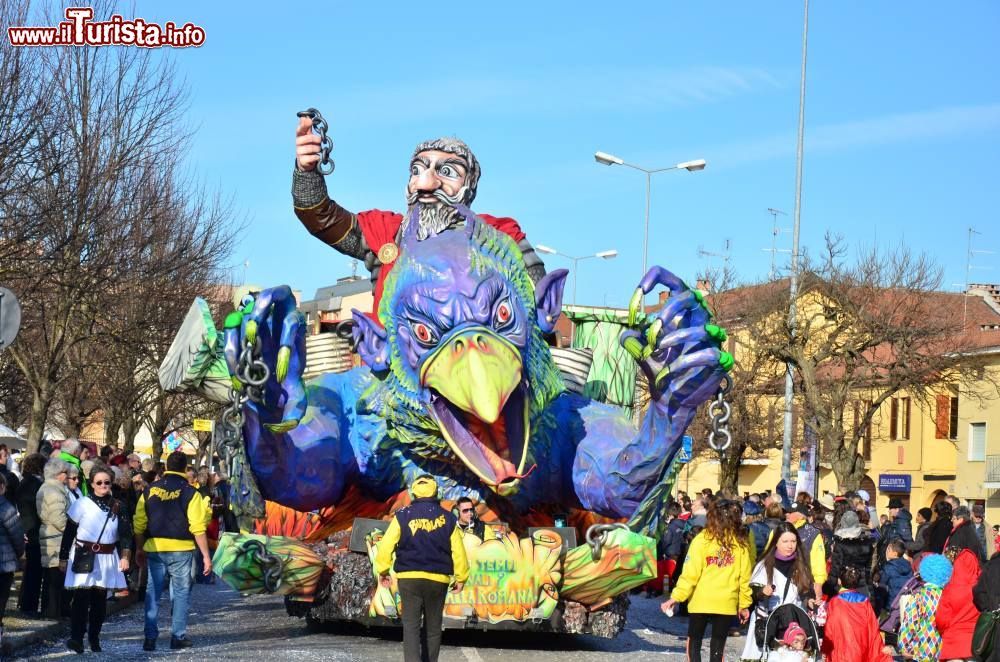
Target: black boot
{"points": [[95, 644], [75, 645], [149, 644], [180, 643]]}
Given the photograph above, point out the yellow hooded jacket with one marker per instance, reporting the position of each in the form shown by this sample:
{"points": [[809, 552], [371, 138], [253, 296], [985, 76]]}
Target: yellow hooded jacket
{"points": [[715, 578]]}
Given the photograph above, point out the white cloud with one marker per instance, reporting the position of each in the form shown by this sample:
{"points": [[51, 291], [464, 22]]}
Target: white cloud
{"points": [[555, 91], [844, 136]]}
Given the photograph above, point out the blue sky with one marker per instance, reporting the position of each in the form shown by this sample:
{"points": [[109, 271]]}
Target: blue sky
{"points": [[902, 122]]}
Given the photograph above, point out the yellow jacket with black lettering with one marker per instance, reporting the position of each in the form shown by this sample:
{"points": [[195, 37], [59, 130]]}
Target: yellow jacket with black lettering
{"points": [[170, 513], [427, 544]]}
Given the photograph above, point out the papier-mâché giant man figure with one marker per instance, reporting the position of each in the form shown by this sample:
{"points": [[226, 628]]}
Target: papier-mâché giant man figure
{"points": [[444, 174]]}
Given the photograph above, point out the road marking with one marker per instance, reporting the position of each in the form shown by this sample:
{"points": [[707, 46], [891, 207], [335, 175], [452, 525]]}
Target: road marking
{"points": [[471, 654]]}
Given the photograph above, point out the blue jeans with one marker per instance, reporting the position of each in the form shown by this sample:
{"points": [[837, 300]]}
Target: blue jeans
{"points": [[178, 566]]}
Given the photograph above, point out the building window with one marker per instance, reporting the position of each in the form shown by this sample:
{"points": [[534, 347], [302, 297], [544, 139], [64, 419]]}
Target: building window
{"points": [[861, 408], [946, 417], [977, 442], [953, 419], [899, 419]]}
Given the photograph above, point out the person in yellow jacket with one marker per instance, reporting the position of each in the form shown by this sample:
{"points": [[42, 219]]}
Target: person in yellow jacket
{"points": [[715, 580], [169, 523], [429, 552]]}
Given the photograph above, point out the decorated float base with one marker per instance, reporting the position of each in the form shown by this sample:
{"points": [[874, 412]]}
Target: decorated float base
{"points": [[528, 583]]}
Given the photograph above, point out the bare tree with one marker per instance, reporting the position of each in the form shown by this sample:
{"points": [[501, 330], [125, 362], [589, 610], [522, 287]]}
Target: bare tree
{"points": [[866, 330], [25, 94], [120, 234]]}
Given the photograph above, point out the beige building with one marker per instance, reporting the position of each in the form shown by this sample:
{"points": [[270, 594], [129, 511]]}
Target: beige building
{"points": [[917, 451]]}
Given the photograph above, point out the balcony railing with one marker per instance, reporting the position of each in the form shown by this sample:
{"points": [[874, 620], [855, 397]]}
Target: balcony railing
{"points": [[993, 468]]}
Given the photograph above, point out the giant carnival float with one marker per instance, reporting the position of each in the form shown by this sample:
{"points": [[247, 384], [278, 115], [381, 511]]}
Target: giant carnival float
{"points": [[456, 379]]}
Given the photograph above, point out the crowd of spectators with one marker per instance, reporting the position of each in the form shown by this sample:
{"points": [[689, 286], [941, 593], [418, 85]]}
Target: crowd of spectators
{"points": [[871, 585], [39, 495]]}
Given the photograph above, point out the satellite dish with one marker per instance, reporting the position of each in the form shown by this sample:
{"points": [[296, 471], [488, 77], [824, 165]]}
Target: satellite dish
{"points": [[10, 317]]}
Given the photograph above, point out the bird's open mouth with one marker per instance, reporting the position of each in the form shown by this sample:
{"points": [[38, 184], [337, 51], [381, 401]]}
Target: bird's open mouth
{"points": [[479, 401], [495, 452]]}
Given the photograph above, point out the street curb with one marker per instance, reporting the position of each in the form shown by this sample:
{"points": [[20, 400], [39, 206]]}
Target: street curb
{"points": [[55, 630]]}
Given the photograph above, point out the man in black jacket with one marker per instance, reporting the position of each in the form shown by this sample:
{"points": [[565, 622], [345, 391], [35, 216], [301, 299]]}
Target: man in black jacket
{"points": [[901, 526], [31, 581], [429, 552]]}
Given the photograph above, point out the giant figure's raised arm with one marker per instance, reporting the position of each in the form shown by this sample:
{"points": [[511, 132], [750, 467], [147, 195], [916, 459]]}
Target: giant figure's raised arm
{"points": [[679, 351], [322, 217]]}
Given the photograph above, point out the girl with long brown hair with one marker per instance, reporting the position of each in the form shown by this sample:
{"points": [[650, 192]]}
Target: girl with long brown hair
{"points": [[715, 581], [781, 576]]}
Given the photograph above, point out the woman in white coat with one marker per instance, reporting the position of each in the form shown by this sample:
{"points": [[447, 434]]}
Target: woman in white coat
{"points": [[97, 522], [781, 576]]}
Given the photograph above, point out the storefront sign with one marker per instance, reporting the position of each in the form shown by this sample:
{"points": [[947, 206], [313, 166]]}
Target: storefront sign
{"points": [[894, 483]]}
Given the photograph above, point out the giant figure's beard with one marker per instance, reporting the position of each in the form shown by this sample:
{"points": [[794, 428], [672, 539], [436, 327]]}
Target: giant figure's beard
{"points": [[435, 218]]}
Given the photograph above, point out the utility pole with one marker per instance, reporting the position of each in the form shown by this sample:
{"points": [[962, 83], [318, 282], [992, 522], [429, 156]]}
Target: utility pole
{"points": [[786, 446]]}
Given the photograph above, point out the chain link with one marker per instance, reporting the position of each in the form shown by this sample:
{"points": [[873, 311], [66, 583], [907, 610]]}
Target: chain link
{"points": [[271, 564], [597, 536], [251, 371], [326, 164], [719, 412]]}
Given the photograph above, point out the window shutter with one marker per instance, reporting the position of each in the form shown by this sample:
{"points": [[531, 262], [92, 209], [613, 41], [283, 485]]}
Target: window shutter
{"points": [[942, 417], [894, 418], [906, 418]]}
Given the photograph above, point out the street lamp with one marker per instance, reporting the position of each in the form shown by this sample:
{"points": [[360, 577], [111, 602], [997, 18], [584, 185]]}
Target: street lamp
{"points": [[606, 255], [611, 159]]}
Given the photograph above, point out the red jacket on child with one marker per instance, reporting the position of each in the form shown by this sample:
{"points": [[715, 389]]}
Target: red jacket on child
{"points": [[851, 633]]}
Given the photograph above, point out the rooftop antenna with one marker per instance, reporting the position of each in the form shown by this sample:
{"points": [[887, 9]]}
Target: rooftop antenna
{"points": [[970, 255], [725, 255], [774, 250]]}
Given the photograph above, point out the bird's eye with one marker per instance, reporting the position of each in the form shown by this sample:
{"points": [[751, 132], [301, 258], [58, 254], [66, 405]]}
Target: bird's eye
{"points": [[503, 315], [423, 333]]}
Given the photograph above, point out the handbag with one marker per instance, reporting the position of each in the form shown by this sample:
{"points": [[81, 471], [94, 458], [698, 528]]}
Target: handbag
{"points": [[985, 634], [83, 559]]}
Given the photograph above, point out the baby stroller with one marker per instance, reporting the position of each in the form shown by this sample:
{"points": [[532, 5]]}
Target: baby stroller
{"points": [[779, 620]]}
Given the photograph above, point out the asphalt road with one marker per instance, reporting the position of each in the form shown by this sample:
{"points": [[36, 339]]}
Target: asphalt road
{"points": [[226, 626]]}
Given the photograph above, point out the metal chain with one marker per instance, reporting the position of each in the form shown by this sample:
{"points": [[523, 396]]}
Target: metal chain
{"points": [[271, 564], [597, 536], [718, 413], [326, 164], [251, 371]]}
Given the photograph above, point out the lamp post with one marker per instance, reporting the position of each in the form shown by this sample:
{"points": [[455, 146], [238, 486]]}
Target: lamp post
{"points": [[793, 285], [606, 255], [610, 159]]}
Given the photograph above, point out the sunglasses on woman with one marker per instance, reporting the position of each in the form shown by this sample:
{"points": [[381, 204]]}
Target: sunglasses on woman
{"points": [[101, 482]]}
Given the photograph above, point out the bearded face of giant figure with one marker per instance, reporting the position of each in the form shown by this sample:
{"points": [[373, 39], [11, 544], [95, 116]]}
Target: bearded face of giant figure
{"points": [[443, 173]]}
